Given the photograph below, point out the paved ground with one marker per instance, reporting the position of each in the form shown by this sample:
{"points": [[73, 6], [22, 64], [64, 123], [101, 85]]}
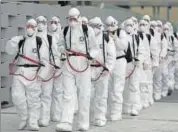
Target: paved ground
{"points": [[162, 117]]}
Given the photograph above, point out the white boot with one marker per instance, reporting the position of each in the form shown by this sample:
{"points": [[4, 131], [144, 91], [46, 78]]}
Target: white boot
{"points": [[33, 127], [64, 127], [157, 97], [146, 105], [134, 112], [22, 125], [151, 101], [164, 94], [55, 119], [44, 123], [83, 127], [116, 118], [100, 123]]}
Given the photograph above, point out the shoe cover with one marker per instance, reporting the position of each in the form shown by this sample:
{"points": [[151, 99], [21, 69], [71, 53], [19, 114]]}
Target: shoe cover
{"points": [[64, 127], [34, 127], [22, 124], [55, 119], [100, 123], [43, 123], [134, 112]]}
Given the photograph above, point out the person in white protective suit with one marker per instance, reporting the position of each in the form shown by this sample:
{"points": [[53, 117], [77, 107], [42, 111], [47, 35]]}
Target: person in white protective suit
{"points": [[159, 77], [172, 56], [147, 19], [122, 25], [135, 57], [151, 60], [84, 20], [117, 79], [56, 106], [107, 57], [25, 93], [50, 56], [135, 20], [78, 40]]}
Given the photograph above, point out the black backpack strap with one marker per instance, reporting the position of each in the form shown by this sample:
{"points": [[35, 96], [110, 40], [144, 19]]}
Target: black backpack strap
{"points": [[64, 34], [50, 48], [175, 35], [105, 38], [148, 37], [137, 38], [141, 35], [85, 32], [85, 29], [172, 39], [162, 36], [38, 46], [118, 31], [21, 45], [128, 54], [152, 32]]}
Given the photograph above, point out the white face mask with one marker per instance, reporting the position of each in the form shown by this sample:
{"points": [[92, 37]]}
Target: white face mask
{"points": [[166, 32], [53, 27], [73, 23], [97, 31], [30, 32], [129, 29], [41, 27], [135, 27], [159, 29], [142, 28]]}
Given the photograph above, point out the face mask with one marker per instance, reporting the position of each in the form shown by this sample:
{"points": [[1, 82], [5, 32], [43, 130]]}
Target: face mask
{"points": [[166, 32], [73, 23], [128, 29], [30, 32], [156, 28], [159, 29], [54, 27], [112, 28], [142, 28], [135, 27], [97, 31], [40, 27]]}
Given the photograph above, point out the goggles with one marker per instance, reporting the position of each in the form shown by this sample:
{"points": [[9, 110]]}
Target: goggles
{"points": [[54, 22], [165, 29], [152, 26], [159, 26], [30, 26], [142, 24], [96, 26], [112, 32], [113, 24], [129, 25], [43, 22], [146, 20]]}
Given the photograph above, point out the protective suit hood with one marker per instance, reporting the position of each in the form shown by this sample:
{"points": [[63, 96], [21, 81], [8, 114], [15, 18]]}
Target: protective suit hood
{"points": [[112, 23], [128, 26], [42, 25], [30, 31]]}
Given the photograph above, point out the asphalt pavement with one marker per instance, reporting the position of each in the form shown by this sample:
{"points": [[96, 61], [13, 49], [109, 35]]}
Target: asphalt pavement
{"points": [[161, 117]]}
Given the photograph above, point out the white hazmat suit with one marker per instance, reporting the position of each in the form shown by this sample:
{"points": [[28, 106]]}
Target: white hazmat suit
{"points": [[56, 105], [107, 57], [117, 79], [26, 94], [132, 101], [81, 80], [151, 56], [47, 86], [159, 77]]}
